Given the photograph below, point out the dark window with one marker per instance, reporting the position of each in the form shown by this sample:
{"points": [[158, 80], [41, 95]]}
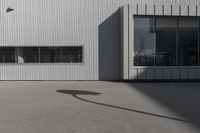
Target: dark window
{"points": [[31, 55], [27, 54], [166, 29], [72, 54], [7, 55], [50, 54], [144, 41], [66, 54], [188, 42], [176, 41]]}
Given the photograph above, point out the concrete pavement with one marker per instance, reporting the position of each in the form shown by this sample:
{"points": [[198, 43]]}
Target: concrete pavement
{"points": [[99, 107]]}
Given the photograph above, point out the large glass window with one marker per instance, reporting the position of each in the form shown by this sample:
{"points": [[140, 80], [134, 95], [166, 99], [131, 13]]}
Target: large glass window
{"points": [[188, 42], [166, 29], [144, 36], [175, 42]]}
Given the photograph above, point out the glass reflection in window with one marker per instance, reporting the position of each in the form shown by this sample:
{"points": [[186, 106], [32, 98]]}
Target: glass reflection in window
{"points": [[144, 41]]}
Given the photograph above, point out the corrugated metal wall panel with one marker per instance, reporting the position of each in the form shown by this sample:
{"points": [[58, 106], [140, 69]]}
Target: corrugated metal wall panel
{"points": [[168, 8], [167, 73], [63, 23]]}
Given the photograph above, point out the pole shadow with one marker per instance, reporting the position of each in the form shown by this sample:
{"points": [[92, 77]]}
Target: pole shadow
{"points": [[76, 93]]}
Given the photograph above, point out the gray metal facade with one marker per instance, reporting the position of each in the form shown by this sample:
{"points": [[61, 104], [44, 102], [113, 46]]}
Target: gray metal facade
{"points": [[131, 72], [93, 24]]}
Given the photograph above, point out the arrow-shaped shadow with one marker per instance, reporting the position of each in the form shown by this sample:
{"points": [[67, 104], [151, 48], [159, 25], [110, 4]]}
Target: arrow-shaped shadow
{"points": [[75, 93]]}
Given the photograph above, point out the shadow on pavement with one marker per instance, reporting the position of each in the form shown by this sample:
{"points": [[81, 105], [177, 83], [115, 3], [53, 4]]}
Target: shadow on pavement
{"points": [[76, 94], [181, 98]]}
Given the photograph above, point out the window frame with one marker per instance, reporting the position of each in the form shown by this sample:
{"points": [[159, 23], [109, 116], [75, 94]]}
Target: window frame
{"points": [[39, 53], [161, 16]]}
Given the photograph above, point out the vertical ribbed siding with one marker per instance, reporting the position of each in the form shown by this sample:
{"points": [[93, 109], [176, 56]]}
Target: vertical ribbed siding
{"points": [[164, 8], [66, 23]]}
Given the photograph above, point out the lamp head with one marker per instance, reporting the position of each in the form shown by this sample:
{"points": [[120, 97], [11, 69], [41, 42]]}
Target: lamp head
{"points": [[9, 9]]}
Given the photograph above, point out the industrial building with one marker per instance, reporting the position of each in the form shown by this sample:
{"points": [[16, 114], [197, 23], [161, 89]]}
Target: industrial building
{"points": [[99, 40]]}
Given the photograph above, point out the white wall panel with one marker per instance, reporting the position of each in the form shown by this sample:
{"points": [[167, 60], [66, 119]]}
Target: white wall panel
{"points": [[150, 9], [192, 10], [142, 74], [50, 23], [184, 10], [198, 10], [175, 73], [175, 10], [134, 8], [167, 74], [141, 9], [158, 73], [198, 73], [184, 73], [158, 10], [167, 10], [150, 74], [192, 74], [70, 23]]}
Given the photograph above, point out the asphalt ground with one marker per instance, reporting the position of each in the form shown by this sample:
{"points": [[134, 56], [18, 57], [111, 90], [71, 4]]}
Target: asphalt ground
{"points": [[99, 107]]}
